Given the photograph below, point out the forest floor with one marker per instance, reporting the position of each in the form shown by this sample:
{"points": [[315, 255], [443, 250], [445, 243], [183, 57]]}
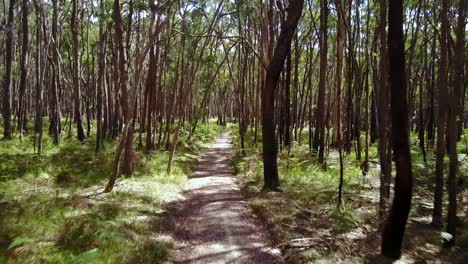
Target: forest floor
{"points": [[305, 224], [53, 210], [213, 222]]}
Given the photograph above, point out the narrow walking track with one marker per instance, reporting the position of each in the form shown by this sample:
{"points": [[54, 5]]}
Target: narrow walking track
{"points": [[214, 224]]}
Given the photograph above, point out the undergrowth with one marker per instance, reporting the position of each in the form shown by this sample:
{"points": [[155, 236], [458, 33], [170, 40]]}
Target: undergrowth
{"points": [[307, 209], [52, 209]]}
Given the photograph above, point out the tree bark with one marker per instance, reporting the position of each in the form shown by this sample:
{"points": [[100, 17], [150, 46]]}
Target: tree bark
{"points": [[6, 111], [454, 115], [76, 73], [395, 226], [283, 47], [319, 135], [441, 118], [22, 111], [382, 111]]}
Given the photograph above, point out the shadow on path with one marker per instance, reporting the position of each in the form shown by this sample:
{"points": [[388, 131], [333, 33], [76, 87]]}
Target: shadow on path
{"points": [[214, 223]]}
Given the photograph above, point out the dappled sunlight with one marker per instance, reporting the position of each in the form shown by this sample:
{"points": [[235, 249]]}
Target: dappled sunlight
{"points": [[214, 224]]}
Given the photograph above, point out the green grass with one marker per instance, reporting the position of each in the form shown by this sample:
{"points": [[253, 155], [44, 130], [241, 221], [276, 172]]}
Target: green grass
{"points": [[52, 210]]}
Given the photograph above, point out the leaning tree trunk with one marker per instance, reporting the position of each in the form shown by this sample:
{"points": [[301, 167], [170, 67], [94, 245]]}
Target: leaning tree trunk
{"points": [[283, 47], [126, 141], [394, 229]]}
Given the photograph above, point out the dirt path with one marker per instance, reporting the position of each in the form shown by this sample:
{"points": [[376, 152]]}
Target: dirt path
{"points": [[214, 223]]}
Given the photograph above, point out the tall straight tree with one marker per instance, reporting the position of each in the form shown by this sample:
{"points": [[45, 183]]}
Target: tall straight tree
{"points": [[394, 229], [441, 118], [282, 49], [319, 134], [101, 79], [6, 111], [38, 129], [55, 123], [452, 133], [76, 72], [22, 121], [382, 110], [339, 78]]}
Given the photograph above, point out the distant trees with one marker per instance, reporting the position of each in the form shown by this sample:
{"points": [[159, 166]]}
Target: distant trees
{"points": [[321, 74]]}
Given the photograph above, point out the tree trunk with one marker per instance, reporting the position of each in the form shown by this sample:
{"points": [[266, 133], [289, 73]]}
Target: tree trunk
{"points": [[382, 111], [394, 229], [76, 73], [101, 83], [283, 47], [38, 126], [6, 111], [454, 115], [55, 123], [339, 75], [22, 111], [441, 118], [319, 136]]}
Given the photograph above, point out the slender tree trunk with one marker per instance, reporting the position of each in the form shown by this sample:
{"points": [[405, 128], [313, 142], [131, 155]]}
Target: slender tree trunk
{"points": [[38, 126], [76, 72], [283, 47], [454, 115], [338, 82], [150, 100], [55, 123], [382, 111], [441, 118], [394, 229], [101, 83], [22, 111], [319, 136], [6, 111]]}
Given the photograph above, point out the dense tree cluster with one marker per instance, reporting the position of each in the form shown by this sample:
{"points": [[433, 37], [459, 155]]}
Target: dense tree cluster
{"points": [[346, 73]]}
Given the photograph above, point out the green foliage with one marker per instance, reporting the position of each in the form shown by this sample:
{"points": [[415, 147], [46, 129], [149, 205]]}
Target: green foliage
{"points": [[307, 207], [19, 241], [344, 221], [52, 210]]}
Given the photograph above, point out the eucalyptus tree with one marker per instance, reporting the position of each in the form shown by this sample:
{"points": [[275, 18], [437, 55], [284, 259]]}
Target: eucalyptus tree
{"points": [[275, 66], [6, 102], [394, 229]]}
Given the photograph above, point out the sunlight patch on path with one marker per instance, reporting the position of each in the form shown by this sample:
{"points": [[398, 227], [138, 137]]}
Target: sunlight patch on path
{"points": [[214, 222]]}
